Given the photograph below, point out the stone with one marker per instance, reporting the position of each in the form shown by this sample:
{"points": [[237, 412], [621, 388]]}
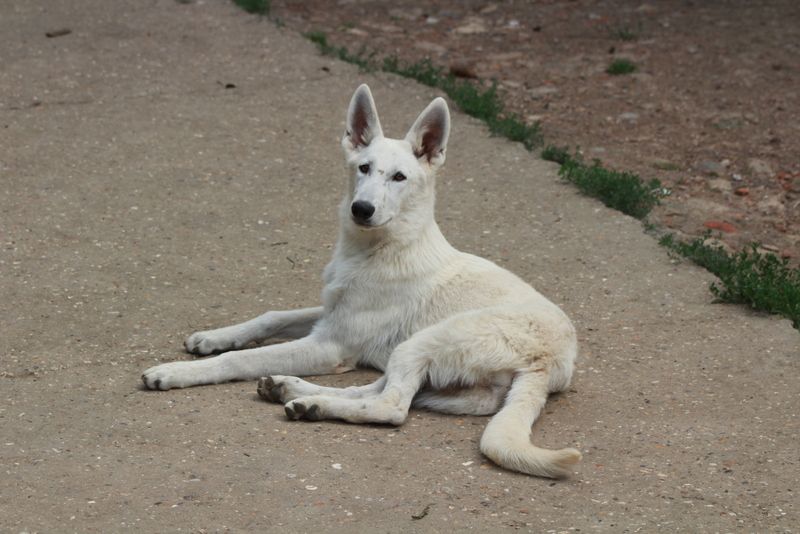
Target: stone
{"points": [[428, 46], [722, 226], [538, 93], [665, 165], [711, 167], [721, 185], [628, 116], [713, 242], [759, 167], [472, 25], [729, 121], [772, 205], [413, 13], [701, 205]]}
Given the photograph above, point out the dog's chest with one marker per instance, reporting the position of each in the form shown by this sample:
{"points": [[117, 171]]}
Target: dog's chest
{"points": [[371, 314]]}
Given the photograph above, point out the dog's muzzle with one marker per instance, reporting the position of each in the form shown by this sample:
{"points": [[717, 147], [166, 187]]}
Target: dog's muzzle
{"points": [[362, 211]]}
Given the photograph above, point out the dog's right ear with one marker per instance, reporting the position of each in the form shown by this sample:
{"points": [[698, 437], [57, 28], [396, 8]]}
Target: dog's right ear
{"points": [[363, 125]]}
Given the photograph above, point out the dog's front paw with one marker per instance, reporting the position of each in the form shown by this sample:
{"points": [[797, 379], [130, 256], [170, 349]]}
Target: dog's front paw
{"points": [[212, 341], [303, 409], [172, 375]]}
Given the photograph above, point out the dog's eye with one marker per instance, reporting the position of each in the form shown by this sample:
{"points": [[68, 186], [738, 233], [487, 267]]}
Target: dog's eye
{"points": [[364, 168], [398, 177]]}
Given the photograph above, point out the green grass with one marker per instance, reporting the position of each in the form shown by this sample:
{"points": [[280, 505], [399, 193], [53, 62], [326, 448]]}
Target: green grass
{"points": [[622, 191], [621, 66], [555, 153], [360, 58], [761, 281], [259, 7], [473, 99]]}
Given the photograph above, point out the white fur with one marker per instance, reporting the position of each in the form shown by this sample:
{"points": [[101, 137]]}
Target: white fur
{"points": [[453, 332]]}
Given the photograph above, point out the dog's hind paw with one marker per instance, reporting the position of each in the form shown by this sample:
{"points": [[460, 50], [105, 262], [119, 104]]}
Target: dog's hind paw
{"points": [[270, 390], [296, 410]]}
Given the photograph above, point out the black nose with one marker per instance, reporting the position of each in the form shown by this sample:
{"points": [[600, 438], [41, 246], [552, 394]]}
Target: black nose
{"points": [[362, 210]]}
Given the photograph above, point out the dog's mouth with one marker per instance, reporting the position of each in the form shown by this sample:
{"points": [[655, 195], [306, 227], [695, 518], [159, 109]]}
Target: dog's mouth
{"points": [[366, 225]]}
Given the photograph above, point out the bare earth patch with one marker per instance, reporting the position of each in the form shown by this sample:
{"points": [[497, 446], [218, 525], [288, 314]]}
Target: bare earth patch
{"points": [[712, 108]]}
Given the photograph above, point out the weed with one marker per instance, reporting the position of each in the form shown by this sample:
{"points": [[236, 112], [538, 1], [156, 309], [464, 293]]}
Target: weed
{"points": [[624, 33], [622, 191], [360, 58], [555, 153], [425, 72], [472, 99], [513, 128], [259, 7], [621, 66], [761, 281], [664, 165]]}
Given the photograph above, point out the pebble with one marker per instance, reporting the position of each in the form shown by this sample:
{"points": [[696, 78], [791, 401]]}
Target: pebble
{"points": [[711, 167], [713, 242], [720, 185], [628, 116], [759, 167], [772, 205], [472, 26], [542, 91], [428, 46], [665, 165], [722, 226]]}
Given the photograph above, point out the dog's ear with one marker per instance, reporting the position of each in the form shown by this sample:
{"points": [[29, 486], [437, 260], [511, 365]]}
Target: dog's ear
{"points": [[428, 136], [363, 125]]}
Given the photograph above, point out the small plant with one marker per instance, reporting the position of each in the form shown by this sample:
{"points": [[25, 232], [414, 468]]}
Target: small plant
{"points": [[360, 58], [624, 33], [622, 191], [555, 153], [472, 99], [761, 281], [513, 128], [621, 66], [259, 7]]}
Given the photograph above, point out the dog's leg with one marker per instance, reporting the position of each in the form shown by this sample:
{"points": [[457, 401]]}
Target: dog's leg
{"points": [[307, 356], [479, 347], [283, 389], [478, 400], [405, 374], [291, 324]]}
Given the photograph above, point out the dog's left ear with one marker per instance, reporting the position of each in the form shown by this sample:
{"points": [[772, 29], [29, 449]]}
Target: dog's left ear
{"points": [[428, 136]]}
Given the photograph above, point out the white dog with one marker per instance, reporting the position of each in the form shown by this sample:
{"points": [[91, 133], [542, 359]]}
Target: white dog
{"points": [[452, 332]]}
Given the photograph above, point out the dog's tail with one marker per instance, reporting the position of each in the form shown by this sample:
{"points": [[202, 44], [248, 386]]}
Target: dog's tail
{"points": [[507, 438]]}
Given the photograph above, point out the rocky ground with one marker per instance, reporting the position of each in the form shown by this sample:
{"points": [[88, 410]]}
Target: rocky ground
{"points": [[713, 110]]}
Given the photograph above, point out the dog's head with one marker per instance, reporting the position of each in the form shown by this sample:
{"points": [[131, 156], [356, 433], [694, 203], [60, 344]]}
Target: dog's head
{"points": [[391, 179]]}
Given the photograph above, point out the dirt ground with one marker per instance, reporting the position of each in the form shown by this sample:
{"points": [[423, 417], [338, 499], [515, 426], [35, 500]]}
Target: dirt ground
{"points": [[168, 167], [713, 110]]}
